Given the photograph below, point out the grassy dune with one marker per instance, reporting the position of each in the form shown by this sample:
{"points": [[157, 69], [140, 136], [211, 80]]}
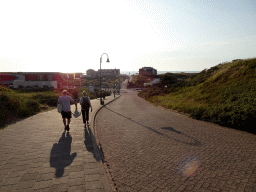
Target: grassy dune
{"points": [[224, 94]]}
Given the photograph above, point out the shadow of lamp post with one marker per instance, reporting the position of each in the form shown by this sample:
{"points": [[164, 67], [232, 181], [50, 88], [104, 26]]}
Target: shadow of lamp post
{"points": [[102, 101]]}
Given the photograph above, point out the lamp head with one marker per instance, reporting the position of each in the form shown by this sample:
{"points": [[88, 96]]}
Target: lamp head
{"points": [[108, 60]]}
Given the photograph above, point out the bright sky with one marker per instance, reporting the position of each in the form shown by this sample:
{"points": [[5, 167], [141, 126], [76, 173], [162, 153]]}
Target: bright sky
{"points": [[169, 35]]}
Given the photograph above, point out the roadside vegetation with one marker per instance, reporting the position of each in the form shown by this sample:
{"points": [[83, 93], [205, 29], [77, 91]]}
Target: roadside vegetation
{"points": [[19, 104], [224, 94]]}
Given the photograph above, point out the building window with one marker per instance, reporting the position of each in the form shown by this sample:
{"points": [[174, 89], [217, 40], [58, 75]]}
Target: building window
{"points": [[49, 77], [40, 77]]}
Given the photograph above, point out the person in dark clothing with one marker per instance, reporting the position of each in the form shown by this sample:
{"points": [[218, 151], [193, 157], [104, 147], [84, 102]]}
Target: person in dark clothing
{"points": [[75, 97], [85, 106], [103, 94]]}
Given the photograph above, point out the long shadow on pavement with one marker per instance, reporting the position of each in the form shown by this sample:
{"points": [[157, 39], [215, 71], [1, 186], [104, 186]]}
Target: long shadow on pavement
{"points": [[91, 144], [194, 143], [60, 154], [88, 139], [197, 143]]}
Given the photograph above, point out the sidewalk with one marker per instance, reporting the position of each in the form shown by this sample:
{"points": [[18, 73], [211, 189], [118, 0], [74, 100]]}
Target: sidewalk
{"points": [[37, 155]]}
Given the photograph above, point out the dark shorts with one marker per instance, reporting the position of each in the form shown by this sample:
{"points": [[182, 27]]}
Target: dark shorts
{"points": [[66, 114]]}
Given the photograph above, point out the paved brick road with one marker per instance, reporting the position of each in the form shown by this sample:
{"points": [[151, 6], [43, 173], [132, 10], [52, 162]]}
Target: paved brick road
{"points": [[37, 155], [148, 148]]}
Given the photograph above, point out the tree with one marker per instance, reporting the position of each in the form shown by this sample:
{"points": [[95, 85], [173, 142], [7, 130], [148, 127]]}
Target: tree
{"points": [[90, 72]]}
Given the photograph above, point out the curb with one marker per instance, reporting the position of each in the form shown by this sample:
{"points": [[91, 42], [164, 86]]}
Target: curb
{"points": [[106, 179]]}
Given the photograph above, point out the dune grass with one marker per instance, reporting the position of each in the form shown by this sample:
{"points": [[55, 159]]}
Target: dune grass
{"points": [[224, 94]]}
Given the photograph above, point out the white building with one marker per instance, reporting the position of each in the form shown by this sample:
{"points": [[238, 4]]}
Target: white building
{"points": [[40, 84]]}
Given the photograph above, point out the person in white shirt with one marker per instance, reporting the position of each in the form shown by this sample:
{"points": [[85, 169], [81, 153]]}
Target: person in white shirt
{"points": [[66, 100]]}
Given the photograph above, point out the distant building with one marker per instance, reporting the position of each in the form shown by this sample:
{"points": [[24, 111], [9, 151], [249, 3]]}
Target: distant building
{"points": [[109, 72], [39, 79], [6, 79], [147, 71]]}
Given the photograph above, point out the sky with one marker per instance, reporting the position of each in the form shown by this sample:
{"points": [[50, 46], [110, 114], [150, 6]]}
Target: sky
{"points": [[168, 35]]}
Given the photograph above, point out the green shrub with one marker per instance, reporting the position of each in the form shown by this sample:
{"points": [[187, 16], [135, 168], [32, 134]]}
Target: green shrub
{"points": [[2, 119], [240, 117], [9, 105], [8, 102], [199, 112], [28, 108], [33, 106], [14, 104], [4, 99], [46, 98]]}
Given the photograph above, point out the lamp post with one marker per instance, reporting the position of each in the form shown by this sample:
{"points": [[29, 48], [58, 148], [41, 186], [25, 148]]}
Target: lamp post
{"points": [[102, 101], [67, 81], [115, 79], [119, 84]]}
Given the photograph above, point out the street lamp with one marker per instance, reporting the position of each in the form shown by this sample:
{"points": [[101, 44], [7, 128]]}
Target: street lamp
{"points": [[119, 84], [115, 79], [67, 80], [102, 101]]}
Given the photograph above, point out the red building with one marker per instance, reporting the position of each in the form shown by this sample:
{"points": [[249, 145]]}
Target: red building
{"points": [[147, 71], [45, 77], [6, 79], [40, 79]]}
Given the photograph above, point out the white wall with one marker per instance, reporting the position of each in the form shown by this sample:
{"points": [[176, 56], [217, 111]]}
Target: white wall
{"points": [[41, 84]]}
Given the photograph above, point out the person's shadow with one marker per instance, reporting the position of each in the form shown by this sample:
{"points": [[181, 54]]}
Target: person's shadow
{"points": [[60, 154], [76, 113]]}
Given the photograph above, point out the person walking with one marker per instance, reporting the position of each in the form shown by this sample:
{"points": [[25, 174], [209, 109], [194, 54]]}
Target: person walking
{"points": [[75, 96], [114, 93], [85, 106], [103, 94], [65, 101]]}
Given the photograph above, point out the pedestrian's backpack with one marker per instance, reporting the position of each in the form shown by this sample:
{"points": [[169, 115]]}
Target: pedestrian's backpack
{"points": [[85, 104]]}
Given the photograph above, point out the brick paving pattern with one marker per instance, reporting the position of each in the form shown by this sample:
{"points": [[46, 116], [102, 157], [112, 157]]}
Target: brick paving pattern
{"points": [[147, 148], [37, 155]]}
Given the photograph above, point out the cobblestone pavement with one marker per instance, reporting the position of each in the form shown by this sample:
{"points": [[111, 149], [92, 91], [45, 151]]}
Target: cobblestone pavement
{"points": [[147, 148], [37, 155]]}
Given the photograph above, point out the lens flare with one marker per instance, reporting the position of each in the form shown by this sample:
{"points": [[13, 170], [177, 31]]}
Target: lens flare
{"points": [[189, 166]]}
